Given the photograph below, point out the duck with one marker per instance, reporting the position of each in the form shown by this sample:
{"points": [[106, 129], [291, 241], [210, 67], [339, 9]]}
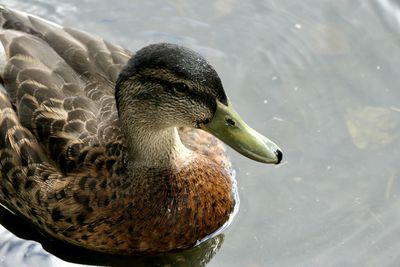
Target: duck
{"points": [[114, 151]]}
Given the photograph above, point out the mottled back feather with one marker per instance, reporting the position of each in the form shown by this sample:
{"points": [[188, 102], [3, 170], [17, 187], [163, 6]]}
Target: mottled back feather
{"points": [[61, 85]]}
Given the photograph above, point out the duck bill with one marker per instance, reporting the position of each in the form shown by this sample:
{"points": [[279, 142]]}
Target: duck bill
{"points": [[229, 127]]}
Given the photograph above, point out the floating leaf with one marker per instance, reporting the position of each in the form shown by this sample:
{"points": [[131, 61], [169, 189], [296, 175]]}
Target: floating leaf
{"points": [[372, 127]]}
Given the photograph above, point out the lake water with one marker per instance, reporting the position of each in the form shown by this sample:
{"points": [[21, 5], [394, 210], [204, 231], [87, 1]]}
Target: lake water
{"points": [[321, 78]]}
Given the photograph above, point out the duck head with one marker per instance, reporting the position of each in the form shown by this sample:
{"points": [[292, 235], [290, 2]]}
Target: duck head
{"points": [[166, 85]]}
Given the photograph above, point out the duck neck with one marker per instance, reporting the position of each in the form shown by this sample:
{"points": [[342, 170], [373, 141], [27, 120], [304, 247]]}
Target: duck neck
{"points": [[151, 142], [161, 148]]}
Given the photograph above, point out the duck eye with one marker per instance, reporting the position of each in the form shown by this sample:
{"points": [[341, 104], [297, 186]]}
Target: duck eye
{"points": [[180, 88]]}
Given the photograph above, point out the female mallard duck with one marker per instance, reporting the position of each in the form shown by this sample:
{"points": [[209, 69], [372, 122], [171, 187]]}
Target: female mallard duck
{"points": [[104, 149]]}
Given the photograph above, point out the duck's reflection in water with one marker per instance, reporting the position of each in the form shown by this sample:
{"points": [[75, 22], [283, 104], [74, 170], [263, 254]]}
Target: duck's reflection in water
{"points": [[15, 250]]}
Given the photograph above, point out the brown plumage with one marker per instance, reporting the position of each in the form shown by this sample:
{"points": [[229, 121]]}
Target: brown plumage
{"points": [[89, 149]]}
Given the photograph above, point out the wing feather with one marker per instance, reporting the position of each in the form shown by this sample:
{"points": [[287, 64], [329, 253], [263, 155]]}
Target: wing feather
{"points": [[60, 82]]}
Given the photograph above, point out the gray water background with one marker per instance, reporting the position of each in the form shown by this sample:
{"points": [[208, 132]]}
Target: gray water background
{"points": [[321, 78]]}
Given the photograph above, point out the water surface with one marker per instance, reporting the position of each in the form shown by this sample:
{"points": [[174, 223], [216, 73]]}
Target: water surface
{"points": [[321, 79]]}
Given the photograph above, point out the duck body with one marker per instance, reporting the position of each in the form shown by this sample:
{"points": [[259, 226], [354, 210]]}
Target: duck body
{"points": [[84, 154]]}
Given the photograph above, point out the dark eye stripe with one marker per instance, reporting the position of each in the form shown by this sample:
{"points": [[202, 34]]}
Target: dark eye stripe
{"points": [[204, 98], [166, 84], [173, 87]]}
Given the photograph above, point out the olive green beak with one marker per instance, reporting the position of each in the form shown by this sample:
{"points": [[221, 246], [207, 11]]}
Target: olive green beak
{"points": [[227, 126]]}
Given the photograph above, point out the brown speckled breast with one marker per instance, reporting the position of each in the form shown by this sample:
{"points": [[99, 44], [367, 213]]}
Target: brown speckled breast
{"points": [[153, 211]]}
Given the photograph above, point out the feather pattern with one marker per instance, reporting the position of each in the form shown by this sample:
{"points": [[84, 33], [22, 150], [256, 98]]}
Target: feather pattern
{"points": [[63, 153], [61, 83]]}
